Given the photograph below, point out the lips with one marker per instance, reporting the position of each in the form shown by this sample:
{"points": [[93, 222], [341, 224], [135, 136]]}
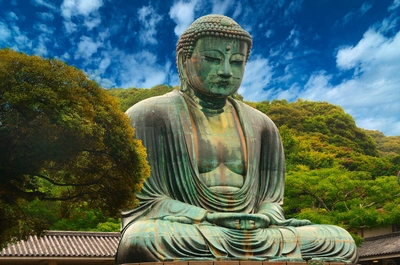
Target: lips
{"points": [[223, 82]]}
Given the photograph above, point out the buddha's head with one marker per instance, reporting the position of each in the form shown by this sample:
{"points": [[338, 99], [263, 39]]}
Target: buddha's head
{"points": [[211, 56]]}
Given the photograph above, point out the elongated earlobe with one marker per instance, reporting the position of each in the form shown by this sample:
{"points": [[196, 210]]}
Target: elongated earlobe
{"points": [[183, 87], [182, 72]]}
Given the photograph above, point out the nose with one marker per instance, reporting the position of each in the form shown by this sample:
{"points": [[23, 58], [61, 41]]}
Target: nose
{"points": [[225, 69]]}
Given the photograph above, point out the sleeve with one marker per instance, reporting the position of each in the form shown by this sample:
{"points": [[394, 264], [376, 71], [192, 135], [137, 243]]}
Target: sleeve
{"points": [[272, 173], [163, 192]]}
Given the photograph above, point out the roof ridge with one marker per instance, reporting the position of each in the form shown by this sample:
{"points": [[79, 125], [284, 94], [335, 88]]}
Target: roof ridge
{"points": [[392, 234], [80, 233]]}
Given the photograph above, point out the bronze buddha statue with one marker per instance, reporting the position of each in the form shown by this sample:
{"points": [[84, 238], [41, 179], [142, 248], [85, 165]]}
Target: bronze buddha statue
{"points": [[217, 181]]}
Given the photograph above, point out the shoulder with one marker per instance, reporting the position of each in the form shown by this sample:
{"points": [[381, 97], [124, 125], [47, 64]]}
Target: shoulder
{"points": [[253, 114], [156, 102], [155, 105]]}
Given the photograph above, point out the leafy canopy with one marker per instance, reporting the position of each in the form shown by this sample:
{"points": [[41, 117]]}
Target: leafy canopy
{"points": [[131, 96], [63, 138]]}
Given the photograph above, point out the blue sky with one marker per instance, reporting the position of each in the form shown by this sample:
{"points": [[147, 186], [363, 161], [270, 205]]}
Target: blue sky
{"points": [[345, 52]]}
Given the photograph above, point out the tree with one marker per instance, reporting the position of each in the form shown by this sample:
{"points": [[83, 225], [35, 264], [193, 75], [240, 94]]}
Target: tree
{"points": [[131, 96], [63, 138], [352, 200]]}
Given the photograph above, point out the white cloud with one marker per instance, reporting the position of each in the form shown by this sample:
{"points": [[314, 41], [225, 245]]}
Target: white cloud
{"points": [[48, 17], [287, 94], [394, 5], [92, 22], [372, 95], [388, 24], [5, 34], [40, 49], [43, 28], [116, 68], [87, 9], [43, 39], [11, 16], [350, 57], [257, 76], [354, 14], [269, 33], [70, 26], [96, 75], [104, 63], [149, 20], [86, 48], [238, 10], [364, 8], [183, 15], [66, 56], [70, 8], [142, 70], [12, 37], [293, 8], [44, 3], [294, 37], [221, 6]]}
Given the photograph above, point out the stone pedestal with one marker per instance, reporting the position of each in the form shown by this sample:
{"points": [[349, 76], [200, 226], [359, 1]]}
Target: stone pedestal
{"points": [[237, 262]]}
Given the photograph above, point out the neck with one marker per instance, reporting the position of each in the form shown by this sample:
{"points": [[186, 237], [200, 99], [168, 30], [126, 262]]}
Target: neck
{"points": [[209, 104]]}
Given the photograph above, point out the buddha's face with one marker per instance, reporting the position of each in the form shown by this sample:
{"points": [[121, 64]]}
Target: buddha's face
{"points": [[217, 65]]}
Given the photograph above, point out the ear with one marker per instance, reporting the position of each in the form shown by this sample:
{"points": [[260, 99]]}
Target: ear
{"points": [[182, 71], [181, 65]]}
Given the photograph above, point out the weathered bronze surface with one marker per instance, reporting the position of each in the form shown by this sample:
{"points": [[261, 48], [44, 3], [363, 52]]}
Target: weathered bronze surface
{"points": [[217, 181]]}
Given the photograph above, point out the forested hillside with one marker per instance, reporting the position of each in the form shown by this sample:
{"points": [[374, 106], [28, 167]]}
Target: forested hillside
{"points": [[337, 173], [129, 97]]}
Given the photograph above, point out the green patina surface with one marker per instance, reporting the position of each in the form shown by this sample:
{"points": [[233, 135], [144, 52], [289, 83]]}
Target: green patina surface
{"points": [[217, 181]]}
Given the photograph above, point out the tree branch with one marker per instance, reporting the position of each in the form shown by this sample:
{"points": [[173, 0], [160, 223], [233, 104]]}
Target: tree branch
{"points": [[318, 198], [96, 181]]}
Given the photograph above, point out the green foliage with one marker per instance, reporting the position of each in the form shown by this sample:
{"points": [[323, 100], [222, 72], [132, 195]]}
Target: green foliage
{"points": [[337, 173], [306, 117], [63, 138], [131, 96], [338, 196], [86, 219], [110, 225], [322, 135], [388, 146]]}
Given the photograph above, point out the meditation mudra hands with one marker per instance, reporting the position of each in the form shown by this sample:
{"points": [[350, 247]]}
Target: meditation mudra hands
{"points": [[240, 221]]}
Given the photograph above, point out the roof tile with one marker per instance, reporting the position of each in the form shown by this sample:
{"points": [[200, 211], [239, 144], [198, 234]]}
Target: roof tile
{"points": [[380, 245], [65, 244]]}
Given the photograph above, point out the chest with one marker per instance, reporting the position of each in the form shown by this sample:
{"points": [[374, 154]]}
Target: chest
{"points": [[219, 140]]}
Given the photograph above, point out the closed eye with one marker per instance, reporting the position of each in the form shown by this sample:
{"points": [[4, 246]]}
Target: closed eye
{"points": [[237, 58], [212, 59], [212, 56]]}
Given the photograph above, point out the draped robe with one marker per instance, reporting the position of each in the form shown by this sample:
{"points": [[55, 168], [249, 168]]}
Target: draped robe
{"points": [[175, 189]]}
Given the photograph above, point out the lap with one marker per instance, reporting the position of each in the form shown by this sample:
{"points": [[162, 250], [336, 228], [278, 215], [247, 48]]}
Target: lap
{"points": [[155, 240]]}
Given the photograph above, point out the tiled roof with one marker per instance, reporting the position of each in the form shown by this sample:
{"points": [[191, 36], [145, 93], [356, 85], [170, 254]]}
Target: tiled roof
{"points": [[66, 244], [380, 245]]}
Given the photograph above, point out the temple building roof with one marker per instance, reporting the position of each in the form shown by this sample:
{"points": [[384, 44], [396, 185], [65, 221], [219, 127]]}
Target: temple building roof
{"points": [[65, 244], [383, 245]]}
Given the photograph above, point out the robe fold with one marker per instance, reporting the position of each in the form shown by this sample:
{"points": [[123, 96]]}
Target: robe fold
{"points": [[175, 189]]}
